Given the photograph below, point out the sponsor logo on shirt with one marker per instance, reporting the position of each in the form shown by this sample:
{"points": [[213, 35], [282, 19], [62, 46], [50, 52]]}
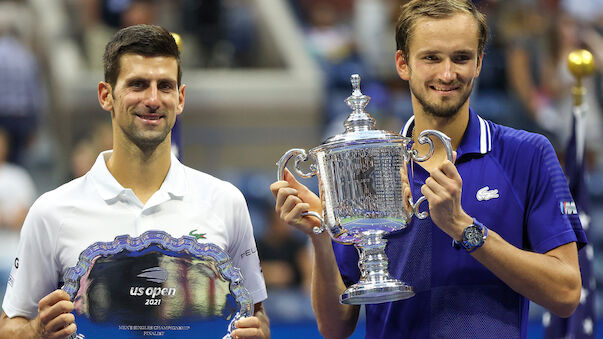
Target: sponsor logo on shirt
{"points": [[197, 235], [16, 262], [248, 252], [11, 280], [485, 193], [568, 207]]}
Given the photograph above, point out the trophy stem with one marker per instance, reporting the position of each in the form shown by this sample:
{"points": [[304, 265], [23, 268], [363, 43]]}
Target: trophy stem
{"points": [[375, 284]]}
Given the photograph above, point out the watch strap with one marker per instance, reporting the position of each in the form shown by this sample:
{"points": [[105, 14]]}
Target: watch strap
{"points": [[458, 244]]}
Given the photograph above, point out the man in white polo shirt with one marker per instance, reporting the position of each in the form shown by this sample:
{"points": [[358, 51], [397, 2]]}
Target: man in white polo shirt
{"points": [[136, 187]]}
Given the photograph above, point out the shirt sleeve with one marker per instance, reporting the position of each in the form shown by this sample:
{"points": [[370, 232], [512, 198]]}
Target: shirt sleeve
{"points": [[34, 273], [243, 250], [550, 223]]}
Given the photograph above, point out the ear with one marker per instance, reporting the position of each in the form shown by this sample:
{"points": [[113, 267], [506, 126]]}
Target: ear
{"points": [[105, 98], [180, 99], [402, 65], [479, 65]]}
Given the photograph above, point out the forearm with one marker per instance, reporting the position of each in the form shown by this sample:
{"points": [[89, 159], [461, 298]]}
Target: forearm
{"points": [[16, 327], [551, 280], [335, 320]]}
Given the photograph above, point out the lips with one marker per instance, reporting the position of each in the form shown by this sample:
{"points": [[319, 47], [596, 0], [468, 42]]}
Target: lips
{"points": [[444, 89], [150, 117]]}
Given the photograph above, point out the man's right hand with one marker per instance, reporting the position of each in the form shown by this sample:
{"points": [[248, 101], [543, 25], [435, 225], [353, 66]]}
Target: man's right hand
{"points": [[293, 198], [54, 319]]}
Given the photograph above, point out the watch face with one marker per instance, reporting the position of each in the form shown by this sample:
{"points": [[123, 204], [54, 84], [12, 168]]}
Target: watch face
{"points": [[473, 235]]}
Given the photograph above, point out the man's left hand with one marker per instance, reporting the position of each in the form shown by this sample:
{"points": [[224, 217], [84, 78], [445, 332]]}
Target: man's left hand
{"points": [[443, 192], [254, 327]]}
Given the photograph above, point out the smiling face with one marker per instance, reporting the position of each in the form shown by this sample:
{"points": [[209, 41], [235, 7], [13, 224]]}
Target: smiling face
{"points": [[144, 102], [442, 64]]}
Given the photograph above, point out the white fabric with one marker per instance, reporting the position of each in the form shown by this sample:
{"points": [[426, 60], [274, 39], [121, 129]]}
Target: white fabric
{"points": [[95, 207], [18, 190]]}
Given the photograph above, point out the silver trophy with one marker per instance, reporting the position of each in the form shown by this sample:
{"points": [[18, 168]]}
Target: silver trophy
{"points": [[361, 174]]}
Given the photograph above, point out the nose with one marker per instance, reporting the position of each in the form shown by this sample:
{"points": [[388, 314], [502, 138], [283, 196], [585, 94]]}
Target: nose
{"points": [[152, 99], [448, 72]]}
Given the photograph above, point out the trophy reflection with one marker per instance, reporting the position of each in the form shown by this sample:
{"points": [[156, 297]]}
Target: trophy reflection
{"points": [[362, 175]]}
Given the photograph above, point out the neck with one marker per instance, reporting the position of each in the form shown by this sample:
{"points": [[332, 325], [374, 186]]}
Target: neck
{"points": [[141, 171], [454, 127]]}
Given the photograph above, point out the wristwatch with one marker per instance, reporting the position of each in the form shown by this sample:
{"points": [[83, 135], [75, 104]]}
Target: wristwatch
{"points": [[474, 237]]}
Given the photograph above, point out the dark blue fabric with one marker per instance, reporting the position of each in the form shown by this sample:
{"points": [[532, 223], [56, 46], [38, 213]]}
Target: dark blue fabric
{"points": [[457, 297]]}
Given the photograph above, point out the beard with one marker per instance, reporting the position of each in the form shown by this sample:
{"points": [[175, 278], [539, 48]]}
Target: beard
{"points": [[442, 109], [146, 141]]}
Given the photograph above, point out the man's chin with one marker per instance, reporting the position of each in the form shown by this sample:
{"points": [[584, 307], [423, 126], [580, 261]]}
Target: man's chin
{"points": [[148, 142]]}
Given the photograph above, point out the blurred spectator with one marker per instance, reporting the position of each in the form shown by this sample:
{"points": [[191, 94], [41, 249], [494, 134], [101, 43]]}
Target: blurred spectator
{"points": [[22, 92], [100, 19], [539, 39], [330, 40], [285, 259], [225, 32], [17, 191], [86, 150], [490, 96]]}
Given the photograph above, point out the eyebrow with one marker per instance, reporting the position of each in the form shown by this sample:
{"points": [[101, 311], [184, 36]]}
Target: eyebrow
{"points": [[437, 51], [138, 78]]}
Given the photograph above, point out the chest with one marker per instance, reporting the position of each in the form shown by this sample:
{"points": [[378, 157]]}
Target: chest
{"points": [[86, 225], [487, 195]]}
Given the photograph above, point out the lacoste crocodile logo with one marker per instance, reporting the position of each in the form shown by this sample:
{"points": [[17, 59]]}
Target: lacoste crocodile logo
{"points": [[485, 193], [197, 235]]}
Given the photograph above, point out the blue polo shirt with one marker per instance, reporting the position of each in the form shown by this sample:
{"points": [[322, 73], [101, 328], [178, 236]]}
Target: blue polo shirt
{"points": [[514, 185]]}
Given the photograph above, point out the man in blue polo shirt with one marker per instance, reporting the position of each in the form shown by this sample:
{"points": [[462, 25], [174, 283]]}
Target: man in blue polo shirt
{"points": [[502, 227]]}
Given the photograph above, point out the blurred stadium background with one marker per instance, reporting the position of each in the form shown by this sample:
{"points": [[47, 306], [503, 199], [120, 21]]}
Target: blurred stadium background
{"points": [[264, 76]]}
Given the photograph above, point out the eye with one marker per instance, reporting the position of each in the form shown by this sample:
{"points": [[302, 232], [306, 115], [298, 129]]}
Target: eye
{"points": [[462, 58], [166, 86], [431, 57], [138, 84]]}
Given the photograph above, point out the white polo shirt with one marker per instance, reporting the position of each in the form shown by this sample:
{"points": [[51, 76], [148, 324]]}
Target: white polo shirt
{"points": [[65, 221]]}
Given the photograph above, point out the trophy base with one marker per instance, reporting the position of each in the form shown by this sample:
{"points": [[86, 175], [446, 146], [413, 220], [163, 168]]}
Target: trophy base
{"points": [[376, 293]]}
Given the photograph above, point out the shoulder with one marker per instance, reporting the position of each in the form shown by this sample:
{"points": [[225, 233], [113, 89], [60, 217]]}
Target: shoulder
{"points": [[64, 195], [520, 143], [210, 187]]}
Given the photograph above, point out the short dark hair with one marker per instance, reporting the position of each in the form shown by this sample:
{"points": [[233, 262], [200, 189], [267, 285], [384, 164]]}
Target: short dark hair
{"points": [[438, 9], [147, 40]]}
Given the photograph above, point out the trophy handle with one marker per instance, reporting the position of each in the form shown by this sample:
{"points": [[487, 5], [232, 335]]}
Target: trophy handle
{"points": [[301, 155], [425, 139]]}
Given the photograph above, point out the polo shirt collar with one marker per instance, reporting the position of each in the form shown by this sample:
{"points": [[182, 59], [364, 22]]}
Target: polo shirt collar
{"points": [[107, 186], [477, 137]]}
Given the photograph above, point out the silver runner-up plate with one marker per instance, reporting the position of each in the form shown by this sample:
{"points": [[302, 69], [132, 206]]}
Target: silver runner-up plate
{"points": [[155, 285]]}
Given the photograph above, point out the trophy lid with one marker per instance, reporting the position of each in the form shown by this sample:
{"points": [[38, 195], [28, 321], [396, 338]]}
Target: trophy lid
{"points": [[359, 126]]}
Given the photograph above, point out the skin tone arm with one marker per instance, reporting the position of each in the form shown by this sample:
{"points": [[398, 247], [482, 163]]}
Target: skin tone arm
{"points": [[54, 320], [256, 327], [551, 279], [334, 319]]}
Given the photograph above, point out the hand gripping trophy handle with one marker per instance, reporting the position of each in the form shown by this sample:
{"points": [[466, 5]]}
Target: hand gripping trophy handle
{"points": [[425, 139], [300, 155]]}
